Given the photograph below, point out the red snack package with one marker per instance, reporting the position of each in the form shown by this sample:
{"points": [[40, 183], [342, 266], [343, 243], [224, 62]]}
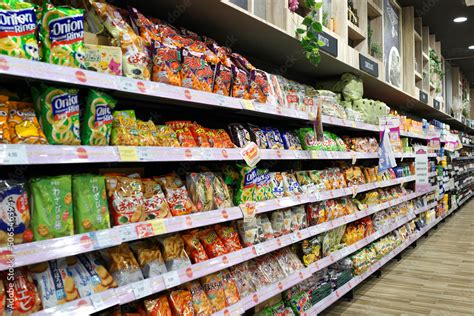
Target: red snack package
{"points": [[176, 194], [201, 48], [185, 137], [222, 80], [201, 304], [200, 136], [240, 83], [23, 296], [158, 306], [193, 247], [230, 287], [259, 85], [125, 199], [229, 237], [182, 303], [225, 138], [196, 72], [166, 64], [211, 242], [214, 139], [146, 28]]}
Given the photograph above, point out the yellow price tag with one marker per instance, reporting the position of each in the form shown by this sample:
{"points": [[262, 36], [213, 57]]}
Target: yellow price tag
{"points": [[158, 226], [314, 154], [312, 116], [128, 153], [248, 104]]}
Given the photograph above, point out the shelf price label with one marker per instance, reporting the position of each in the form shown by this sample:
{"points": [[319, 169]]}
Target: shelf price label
{"points": [[158, 226], [248, 104], [171, 279], [13, 155], [126, 233], [259, 249], [142, 289], [98, 302], [128, 153]]}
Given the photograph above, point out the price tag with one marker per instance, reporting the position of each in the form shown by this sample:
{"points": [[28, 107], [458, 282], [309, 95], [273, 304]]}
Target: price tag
{"points": [[251, 154], [248, 104], [142, 289], [144, 154], [206, 154], [126, 232], [314, 154], [128, 153], [171, 279], [249, 209], [98, 302], [294, 238], [103, 239], [158, 225], [13, 155], [259, 249], [313, 230]]}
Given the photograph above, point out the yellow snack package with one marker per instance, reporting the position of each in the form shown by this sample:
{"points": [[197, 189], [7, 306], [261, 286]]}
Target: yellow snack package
{"points": [[23, 124]]}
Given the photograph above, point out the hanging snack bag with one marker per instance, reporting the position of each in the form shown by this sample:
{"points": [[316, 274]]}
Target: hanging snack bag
{"points": [[122, 264], [124, 128], [149, 257], [196, 72], [193, 247], [52, 208], [212, 243], [182, 303], [246, 184], [90, 203], [166, 64], [222, 196], [55, 283], [18, 35], [222, 82], [155, 202], [159, 306], [14, 206], [201, 304], [214, 288], [125, 199], [23, 124], [173, 252], [176, 194], [62, 35], [97, 122], [60, 115], [229, 237], [22, 295]]}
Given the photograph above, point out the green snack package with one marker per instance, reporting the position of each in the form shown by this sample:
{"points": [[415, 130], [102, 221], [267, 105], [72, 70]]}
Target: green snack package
{"points": [[90, 203], [308, 139], [17, 30], [263, 186], [62, 35], [52, 208], [59, 115], [98, 119], [246, 184]]}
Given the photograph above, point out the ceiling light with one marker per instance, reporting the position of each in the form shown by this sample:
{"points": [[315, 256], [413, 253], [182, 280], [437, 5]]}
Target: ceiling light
{"points": [[471, 47], [460, 19]]}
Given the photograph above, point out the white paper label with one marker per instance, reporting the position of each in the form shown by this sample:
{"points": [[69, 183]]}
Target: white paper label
{"points": [[142, 289], [171, 279], [126, 232], [259, 249], [13, 155], [98, 302]]}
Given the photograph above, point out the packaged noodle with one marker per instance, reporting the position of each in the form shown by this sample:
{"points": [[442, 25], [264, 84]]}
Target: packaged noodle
{"points": [[125, 199], [166, 136], [22, 297], [52, 208], [155, 202], [159, 306], [212, 243], [55, 284], [136, 59], [196, 73], [89, 275], [166, 64], [149, 257], [91, 211], [98, 119], [124, 128], [176, 194], [4, 128], [60, 115], [173, 252], [222, 196], [62, 35], [201, 304], [214, 288], [14, 205], [232, 295], [201, 190], [229, 237], [193, 247], [18, 30], [122, 264], [182, 303]]}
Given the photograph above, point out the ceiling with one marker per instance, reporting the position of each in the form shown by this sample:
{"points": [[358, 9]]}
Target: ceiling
{"points": [[454, 37]]}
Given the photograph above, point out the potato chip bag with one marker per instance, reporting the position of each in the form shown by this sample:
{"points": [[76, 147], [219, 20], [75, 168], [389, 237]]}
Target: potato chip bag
{"points": [[124, 129], [156, 205], [52, 209], [176, 194], [122, 264], [214, 288], [23, 124], [173, 252], [23, 295], [194, 248], [62, 35], [91, 211], [182, 303], [98, 119], [201, 304], [159, 306], [263, 186], [18, 28], [149, 257], [222, 195]]}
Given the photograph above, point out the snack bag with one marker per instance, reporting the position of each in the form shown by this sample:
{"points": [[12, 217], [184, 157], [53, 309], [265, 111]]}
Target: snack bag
{"points": [[232, 295], [183, 133], [23, 124], [4, 128], [17, 35], [98, 119], [229, 237], [22, 296], [55, 284], [240, 83], [240, 135], [277, 184], [143, 26], [159, 306], [90, 200], [243, 278], [248, 231], [176, 194], [89, 275], [173, 252], [122, 264], [166, 64], [156, 205], [201, 304], [196, 72], [125, 199], [290, 184], [222, 82], [222, 196], [14, 205], [200, 136], [124, 128], [212, 243], [246, 184], [149, 257], [259, 87], [265, 230], [263, 186], [193, 247], [224, 139], [60, 115], [166, 136], [214, 288], [182, 303], [62, 35], [52, 209], [201, 190]]}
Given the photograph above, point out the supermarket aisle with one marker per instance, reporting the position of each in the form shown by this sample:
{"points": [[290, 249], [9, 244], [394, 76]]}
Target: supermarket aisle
{"points": [[436, 278]]}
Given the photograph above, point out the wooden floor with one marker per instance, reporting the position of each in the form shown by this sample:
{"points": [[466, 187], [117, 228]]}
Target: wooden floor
{"points": [[435, 278]]}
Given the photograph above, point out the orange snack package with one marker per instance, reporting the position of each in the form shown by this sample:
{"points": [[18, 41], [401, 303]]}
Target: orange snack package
{"points": [[193, 247], [182, 303], [181, 128], [196, 73], [232, 295], [214, 139], [201, 48], [176, 194], [24, 125], [200, 136], [166, 64], [240, 83], [23, 295], [4, 128], [211, 242], [258, 85], [158, 306], [201, 304], [229, 237], [222, 80], [212, 285], [225, 138]]}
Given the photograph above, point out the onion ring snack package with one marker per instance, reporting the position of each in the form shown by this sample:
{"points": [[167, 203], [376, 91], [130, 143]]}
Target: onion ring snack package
{"points": [[149, 257], [91, 210], [14, 205], [246, 186], [62, 35], [22, 295], [176, 194], [173, 252], [122, 264], [55, 284], [17, 33], [5, 137], [98, 119]]}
